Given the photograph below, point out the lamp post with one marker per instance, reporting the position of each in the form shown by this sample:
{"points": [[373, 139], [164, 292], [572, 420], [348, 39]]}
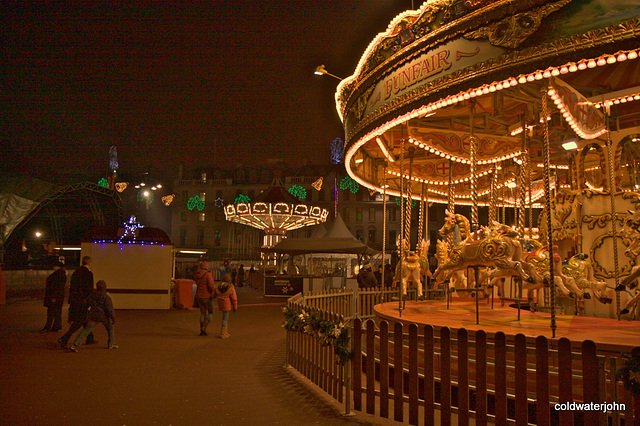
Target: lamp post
{"points": [[320, 70]]}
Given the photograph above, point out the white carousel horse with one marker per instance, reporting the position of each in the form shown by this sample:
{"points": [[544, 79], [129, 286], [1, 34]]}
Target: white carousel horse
{"points": [[411, 269], [581, 270]]}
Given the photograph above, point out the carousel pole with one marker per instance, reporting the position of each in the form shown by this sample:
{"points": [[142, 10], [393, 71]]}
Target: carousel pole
{"points": [[401, 248], [547, 192], [612, 190], [407, 220], [473, 148], [451, 207], [493, 194], [384, 228]]}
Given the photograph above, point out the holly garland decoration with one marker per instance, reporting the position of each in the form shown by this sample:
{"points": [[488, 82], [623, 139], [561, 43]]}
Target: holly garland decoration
{"points": [[348, 183], [195, 202], [103, 182]]}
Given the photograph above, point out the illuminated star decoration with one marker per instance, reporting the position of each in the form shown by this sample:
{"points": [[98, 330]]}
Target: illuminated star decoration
{"points": [[350, 184], [121, 186], [168, 199], [317, 185], [113, 158], [103, 182], [298, 192], [242, 199], [219, 202], [130, 230], [337, 150], [195, 202]]}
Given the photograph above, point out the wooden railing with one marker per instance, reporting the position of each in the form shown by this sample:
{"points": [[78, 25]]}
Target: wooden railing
{"points": [[448, 376]]}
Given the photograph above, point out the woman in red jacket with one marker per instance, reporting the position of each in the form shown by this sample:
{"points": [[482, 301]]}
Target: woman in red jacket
{"points": [[204, 293], [225, 292]]}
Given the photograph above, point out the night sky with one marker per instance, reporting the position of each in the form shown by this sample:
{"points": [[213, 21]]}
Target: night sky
{"points": [[211, 83]]}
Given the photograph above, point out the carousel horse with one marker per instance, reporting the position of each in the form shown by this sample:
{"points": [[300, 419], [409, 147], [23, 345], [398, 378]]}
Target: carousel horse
{"points": [[457, 278], [631, 229], [581, 270], [412, 267], [486, 247]]}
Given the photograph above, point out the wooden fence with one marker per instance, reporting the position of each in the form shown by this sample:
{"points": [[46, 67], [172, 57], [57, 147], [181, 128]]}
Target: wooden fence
{"points": [[447, 376]]}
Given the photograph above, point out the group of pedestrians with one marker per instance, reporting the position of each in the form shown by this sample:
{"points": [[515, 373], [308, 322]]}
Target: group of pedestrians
{"points": [[207, 290], [87, 307]]}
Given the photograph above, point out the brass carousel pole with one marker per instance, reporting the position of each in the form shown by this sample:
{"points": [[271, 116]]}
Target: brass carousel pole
{"points": [[614, 230], [401, 248], [384, 228], [407, 219], [493, 196], [547, 192], [473, 148], [451, 207]]}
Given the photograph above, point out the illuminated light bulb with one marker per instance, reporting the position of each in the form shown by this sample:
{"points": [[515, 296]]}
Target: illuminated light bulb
{"points": [[546, 74], [492, 88], [622, 57], [522, 79], [573, 67], [422, 145], [591, 64], [478, 92], [485, 90], [632, 55], [460, 98], [611, 59], [616, 102], [531, 78], [473, 94], [467, 96], [601, 61], [555, 72], [582, 65], [563, 69], [623, 100]]}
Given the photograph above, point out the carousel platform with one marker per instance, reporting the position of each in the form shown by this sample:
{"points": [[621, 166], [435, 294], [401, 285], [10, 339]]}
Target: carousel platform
{"points": [[608, 334]]}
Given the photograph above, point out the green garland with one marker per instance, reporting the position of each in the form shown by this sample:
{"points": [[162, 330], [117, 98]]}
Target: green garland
{"points": [[327, 332], [629, 373]]}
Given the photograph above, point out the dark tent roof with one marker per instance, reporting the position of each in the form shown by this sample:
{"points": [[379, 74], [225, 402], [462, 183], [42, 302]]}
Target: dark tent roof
{"points": [[338, 239]]}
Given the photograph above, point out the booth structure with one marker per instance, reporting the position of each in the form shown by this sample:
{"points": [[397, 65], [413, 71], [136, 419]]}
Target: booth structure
{"points": [[136, 264]]}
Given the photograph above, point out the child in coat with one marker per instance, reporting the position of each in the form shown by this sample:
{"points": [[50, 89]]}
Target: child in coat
{"points": [[227, 302], [100, 312]]}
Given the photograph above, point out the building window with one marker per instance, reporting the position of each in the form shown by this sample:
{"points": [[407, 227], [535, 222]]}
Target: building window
{"points": [[392, 238], [345, 214], [200, 234], [360, 235], [203, 195], [183, 237], [202, 216], [393, 213], [372, 236], [358, 214], [372, 214]]}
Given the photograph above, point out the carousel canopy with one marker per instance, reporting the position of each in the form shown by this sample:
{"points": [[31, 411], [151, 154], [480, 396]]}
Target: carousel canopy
{"points": [[451, 73], [275, 211]]}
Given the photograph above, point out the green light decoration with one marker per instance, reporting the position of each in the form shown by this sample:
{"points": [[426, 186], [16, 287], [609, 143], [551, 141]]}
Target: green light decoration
{"points": [[241, 199], [350, 184], [298, 192], [103, 182], [413, 202], [195, 202]]}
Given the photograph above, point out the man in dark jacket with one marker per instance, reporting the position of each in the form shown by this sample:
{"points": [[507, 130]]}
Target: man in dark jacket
{"points": [[81, 287], [54, 297]]}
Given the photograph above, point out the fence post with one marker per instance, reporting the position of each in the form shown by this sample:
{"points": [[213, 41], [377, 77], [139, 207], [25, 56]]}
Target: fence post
{"points": [[348, 375]]}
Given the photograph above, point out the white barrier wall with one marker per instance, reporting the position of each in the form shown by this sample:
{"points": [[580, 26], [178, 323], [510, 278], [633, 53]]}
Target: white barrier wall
{"points": [[137, 276]]}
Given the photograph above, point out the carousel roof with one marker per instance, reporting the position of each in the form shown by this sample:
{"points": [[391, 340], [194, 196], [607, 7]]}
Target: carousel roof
{"points": [[275, 211], [447, 71]]}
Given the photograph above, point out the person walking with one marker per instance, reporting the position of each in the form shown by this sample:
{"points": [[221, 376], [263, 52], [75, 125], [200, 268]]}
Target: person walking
{"points": [[54, 297], [225, 292], [80, 288], [205, 287], [240, 276], [100, 312]]}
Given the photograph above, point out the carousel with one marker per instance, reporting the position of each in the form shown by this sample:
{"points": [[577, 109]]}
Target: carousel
{"points": [[530, 107]]}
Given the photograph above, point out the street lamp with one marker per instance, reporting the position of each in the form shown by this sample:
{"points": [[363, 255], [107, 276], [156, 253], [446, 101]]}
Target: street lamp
{"points": [[320, 70]]}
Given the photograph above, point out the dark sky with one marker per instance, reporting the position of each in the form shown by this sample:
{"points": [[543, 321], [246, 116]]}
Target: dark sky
{"points": [[214, 82]]}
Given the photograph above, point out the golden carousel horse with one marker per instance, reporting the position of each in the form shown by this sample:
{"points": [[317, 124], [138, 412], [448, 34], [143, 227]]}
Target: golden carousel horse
{"points": [[411, 269], [487, 247], [631, 229], [581, 270], [458, 277]]}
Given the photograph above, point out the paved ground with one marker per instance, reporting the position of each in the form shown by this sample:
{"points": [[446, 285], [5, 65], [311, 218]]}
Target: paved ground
{"points": [[163, 373]]}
